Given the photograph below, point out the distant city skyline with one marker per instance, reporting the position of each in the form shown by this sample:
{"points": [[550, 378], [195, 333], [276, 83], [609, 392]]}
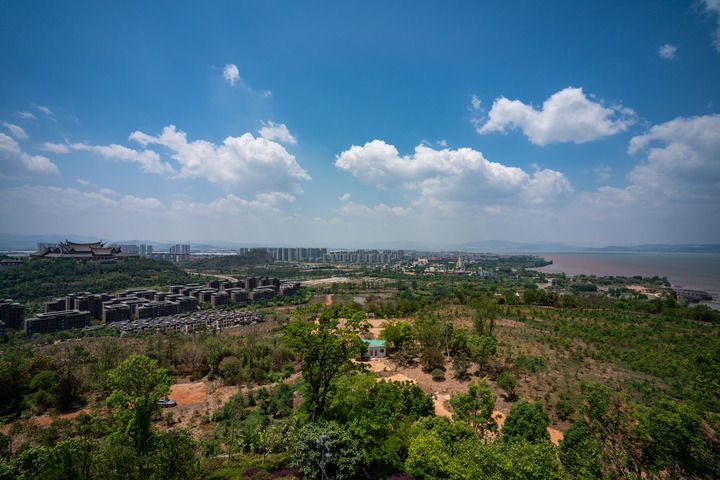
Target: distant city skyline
{"points": [[381, 123]]}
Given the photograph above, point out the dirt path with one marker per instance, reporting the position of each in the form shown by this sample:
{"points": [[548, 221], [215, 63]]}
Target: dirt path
{"points": [[328, 299]]}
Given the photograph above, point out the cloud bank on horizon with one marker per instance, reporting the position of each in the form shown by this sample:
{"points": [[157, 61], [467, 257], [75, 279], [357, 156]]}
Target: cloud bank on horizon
{"points": [[329, 156]]}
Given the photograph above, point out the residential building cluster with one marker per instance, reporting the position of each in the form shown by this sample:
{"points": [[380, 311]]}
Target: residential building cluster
{"points": [[317, 255], [11, 314], [185, 323], [56, 321], [78, 310], [297, 254], [176, 253], [365, 256]]}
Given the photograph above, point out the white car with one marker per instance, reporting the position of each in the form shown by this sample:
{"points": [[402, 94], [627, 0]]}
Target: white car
{"points": [[167, 402]]}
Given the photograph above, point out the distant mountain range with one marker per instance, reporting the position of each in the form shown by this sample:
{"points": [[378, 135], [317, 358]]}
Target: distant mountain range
{"points": [[29, 242], [550, 247]]}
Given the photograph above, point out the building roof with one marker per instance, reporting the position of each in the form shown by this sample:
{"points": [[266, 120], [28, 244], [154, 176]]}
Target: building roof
{"points": [[374, 343]]}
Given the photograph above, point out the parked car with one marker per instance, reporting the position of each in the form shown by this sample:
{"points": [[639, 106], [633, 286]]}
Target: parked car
{"points": [[166, 402]]}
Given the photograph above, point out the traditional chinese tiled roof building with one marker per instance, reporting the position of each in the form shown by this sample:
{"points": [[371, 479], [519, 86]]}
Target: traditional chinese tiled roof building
{"points": [[81, 251]]}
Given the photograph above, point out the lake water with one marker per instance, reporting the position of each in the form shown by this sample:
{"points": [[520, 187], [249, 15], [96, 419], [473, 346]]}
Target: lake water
{"points": [[699, 271]]}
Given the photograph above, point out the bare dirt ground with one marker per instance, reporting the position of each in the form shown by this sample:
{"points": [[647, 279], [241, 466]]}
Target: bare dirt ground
{"points": [[328, 299], [203, 397], [376, 327]]}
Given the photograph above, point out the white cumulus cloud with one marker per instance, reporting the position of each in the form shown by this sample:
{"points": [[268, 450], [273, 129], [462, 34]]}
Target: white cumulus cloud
{"points": [[567, 116], [278, 132], [45, 111], [682, 157], [60, 148], [246, 162], [463, 175], [667, 51], [147, 159], [231, 74], [16, 131], [712, 7], [14, 161], [25, 115]]}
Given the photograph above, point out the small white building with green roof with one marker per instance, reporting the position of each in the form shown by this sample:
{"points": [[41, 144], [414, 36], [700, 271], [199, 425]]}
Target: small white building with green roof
{"points": [[375, 348]]}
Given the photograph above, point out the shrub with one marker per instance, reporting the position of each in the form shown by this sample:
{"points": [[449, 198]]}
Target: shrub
{"points": [[508, 382], [432, 358]]}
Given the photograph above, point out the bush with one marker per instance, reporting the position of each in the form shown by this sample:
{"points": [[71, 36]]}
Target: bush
{"points": [[564, 408], [438, 375], [508, 382], [230, 368], [432, 358], [461, 365]]}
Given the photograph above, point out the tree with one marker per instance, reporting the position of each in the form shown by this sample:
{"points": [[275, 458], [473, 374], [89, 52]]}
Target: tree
{"points": [[378, 415], [428, 457], [581, 453], [482, 348], [459, 341], [484, 319], [432, 358], [508, 382], [397, 334], [527, 421], [229, 369], [672, 440], [137, 384], [345, 455], [476, 406], [428, 331], [461, 365], [326, 351], [175, 457]]}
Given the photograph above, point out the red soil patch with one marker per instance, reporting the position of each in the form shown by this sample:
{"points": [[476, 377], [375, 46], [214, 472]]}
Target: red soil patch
{"points": [[189, 393]]}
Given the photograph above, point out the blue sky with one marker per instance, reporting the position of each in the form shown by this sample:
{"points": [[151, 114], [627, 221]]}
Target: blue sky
{"points": [[341, 123]]}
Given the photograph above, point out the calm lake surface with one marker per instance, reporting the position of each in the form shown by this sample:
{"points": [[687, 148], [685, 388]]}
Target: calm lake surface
{"points": [[699, 271]]}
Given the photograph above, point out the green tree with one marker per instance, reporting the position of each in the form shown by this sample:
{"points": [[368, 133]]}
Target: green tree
{"points": [[175, 457], [137, 384], [527, 421], [229, 369], [345, 455], [673, 440], [581, 453], [476, 406], [326, 350], [486, 312], [461, 367], [429, 458], [396, 334], [379, 415], [508, 382], [432, 358], [482, 348]]}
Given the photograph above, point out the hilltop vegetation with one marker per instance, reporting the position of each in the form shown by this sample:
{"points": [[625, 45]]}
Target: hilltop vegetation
{"points": [[41, 278], [631, 382]]}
